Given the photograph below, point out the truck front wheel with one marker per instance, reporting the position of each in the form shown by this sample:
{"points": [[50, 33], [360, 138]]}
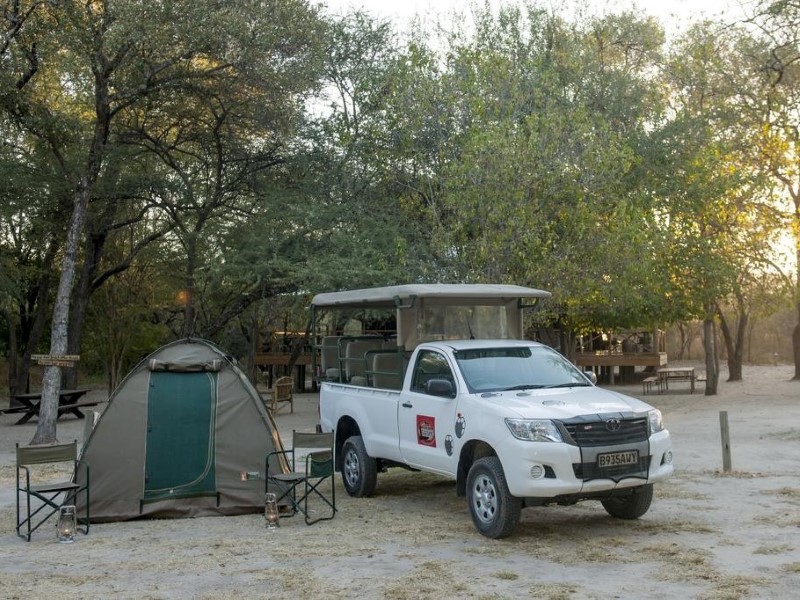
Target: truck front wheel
{"points": [[494, 510], [359, 469], [631, 506]]}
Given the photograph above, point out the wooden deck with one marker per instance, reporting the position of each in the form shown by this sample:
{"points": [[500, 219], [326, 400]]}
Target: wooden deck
{"points": [[626, 361], [621, 359], [267, 361]]}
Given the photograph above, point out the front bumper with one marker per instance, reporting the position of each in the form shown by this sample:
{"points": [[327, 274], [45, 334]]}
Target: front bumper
{"points": [[550, 469]]}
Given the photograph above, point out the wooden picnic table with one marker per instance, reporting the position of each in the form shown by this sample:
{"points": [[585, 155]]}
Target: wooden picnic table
{"points": [[68, 402], [667, 374]]}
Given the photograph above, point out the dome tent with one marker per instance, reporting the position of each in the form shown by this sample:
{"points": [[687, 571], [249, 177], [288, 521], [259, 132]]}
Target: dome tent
{"points": [[175, 437]]}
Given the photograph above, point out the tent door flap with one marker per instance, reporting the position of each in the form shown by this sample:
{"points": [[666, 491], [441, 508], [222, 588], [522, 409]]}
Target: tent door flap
{"points": [[181, 423]]}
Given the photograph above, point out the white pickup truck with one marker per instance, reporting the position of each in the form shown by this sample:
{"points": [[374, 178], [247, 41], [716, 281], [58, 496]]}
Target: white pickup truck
{"points": [[512, 421]]}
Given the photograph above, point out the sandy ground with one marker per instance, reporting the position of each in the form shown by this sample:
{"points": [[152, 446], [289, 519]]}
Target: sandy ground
{"points": [[708, 534]]}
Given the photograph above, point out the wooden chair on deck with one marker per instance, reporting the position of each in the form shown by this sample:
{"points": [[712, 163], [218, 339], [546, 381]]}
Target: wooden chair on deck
{"points": [[280, 393]]}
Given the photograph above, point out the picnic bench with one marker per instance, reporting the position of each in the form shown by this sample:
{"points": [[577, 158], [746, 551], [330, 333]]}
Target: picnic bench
{"points": [[667, 374], [649, 382], [69, 401]]}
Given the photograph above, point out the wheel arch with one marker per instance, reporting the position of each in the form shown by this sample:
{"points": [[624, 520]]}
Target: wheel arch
{"points": [[345, 428], [470, 452]]}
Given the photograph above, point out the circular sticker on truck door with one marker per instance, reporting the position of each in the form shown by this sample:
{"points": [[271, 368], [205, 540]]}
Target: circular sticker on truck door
{"points": [[448, 444], [461, 426]]}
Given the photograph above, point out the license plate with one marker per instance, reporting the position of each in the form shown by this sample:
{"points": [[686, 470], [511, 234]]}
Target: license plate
{"points": [[616, 459]]}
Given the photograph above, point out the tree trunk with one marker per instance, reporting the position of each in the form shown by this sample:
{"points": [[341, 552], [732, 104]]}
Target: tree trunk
{"points": [[31, 334], [188, 291], [796, 349], [735, 345], [51, 383], [712, 362], [796, 332], [255, 343], [566, 341], [115, 362], [749, 341], [80, 302], [741, 331], [682, 331], [12, 352]]}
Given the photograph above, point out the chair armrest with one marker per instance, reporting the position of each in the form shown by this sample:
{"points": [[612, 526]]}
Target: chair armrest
{"points": [[283, 453], [27, 475]]}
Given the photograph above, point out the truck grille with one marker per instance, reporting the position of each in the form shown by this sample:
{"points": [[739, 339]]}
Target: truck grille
{"points": [[607, 431]]}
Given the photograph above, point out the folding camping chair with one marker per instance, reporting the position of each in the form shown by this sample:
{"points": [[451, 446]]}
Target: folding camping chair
{"points": [[38, 462], [311, 461]]}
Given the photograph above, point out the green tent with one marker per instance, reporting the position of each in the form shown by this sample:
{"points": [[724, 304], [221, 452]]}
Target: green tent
{"points": [[175, 437]]}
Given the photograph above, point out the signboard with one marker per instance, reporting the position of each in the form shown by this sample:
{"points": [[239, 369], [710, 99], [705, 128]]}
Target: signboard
{"points": [[56, 360]]}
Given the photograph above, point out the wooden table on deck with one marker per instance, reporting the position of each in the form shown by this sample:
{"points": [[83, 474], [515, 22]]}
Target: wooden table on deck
{"points": [[667, 374], [68, 402]]}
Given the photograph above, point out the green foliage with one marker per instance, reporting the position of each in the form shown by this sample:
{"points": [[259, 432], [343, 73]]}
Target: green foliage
{"points": [[251, 154], [344, 180], [535, 178]]}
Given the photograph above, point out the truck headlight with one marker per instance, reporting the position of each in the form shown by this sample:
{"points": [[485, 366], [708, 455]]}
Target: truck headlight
{"points": [[656, 421], [534, 430]]}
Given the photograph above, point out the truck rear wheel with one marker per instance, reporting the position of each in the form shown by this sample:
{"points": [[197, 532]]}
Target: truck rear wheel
{"points": [[494, 510], [631, 506], [359, 469]]}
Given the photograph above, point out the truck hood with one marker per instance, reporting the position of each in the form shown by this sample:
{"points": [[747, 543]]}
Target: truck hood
{"points": [[562, 403]]}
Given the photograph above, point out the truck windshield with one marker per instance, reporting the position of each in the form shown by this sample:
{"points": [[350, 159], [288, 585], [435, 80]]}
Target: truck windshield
{"points": [[502, 369]]}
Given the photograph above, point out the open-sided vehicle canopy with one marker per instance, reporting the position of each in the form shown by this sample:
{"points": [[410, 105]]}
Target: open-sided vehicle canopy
{"points": [[426, 312], [403, 295]]}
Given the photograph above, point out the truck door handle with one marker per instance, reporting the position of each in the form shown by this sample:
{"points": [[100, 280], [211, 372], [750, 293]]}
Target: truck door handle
{"points": [[407, 405]]}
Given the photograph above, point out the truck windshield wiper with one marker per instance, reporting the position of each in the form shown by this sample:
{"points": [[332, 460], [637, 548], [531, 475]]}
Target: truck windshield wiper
{"points": [[565, 385], [524, 386]]}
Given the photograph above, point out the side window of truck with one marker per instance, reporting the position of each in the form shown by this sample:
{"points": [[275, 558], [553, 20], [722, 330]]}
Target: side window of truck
{"points": [[430, 365]]}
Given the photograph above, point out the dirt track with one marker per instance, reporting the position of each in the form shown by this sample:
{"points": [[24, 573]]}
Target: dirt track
{"points": [[708, 534]]}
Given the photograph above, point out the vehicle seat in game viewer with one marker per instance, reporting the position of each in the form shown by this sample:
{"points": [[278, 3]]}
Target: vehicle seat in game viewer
{"points": [[356, 364]]}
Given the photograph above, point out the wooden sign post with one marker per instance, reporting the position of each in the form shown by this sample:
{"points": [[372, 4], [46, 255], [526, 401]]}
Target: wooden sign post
{"points": [[56, 360], [725, 433]]}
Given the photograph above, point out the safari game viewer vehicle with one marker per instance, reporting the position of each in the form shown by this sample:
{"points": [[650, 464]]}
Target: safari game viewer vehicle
{"points": [[458, 392]]}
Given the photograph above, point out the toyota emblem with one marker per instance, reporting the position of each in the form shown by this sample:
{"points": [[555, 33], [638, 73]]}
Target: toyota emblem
{"points": [[612, 424]]}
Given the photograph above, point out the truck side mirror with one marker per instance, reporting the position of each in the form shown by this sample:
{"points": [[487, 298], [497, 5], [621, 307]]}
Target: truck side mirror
{"points": [[440, 387], [591, 376]]}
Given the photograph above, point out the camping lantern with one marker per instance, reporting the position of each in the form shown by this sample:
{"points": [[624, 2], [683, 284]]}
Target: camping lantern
{"points": [[271, 511], [67, 524]]}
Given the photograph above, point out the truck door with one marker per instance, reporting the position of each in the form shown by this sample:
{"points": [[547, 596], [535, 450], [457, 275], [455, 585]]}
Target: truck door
{"points": [[426, 419]]}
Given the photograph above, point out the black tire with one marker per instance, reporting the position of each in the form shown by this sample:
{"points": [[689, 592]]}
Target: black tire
{"points": [[359, 469], [630, 506], [495, 512]]}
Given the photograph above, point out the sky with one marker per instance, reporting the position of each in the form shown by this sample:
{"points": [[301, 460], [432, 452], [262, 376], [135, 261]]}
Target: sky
{"points": [[674, 14]]}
